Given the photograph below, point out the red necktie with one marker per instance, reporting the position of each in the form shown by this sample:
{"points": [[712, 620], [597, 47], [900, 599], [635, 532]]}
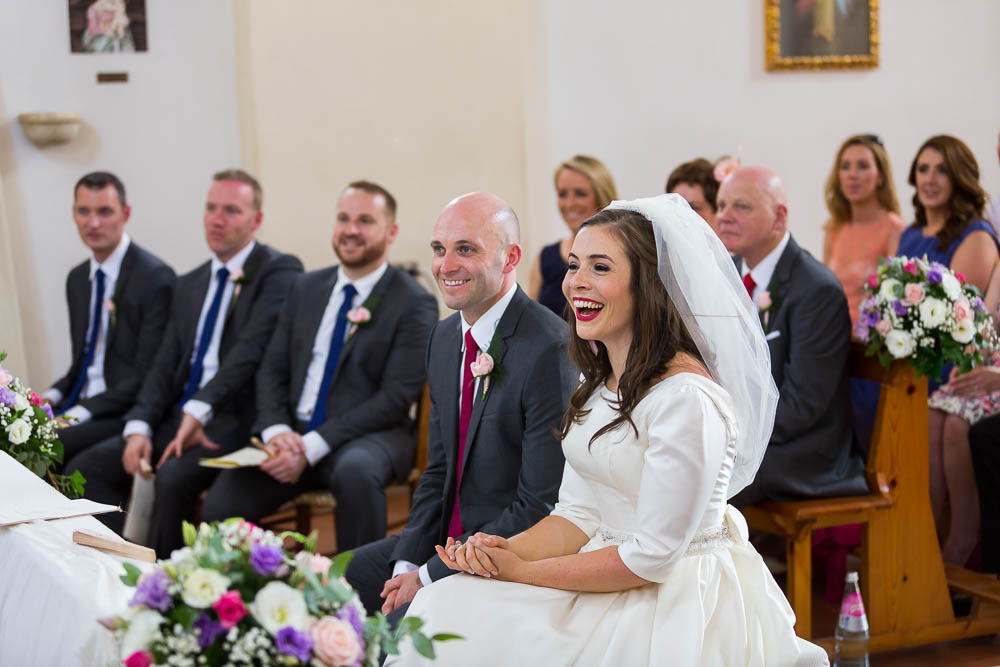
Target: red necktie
{"points": [[464, 416], [749, 284]]}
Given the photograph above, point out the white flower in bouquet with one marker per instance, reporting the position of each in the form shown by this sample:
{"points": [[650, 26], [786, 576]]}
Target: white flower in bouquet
{"points": [[900, 343], [932, 312], [20, 402], [278, 605], [951, 286], [183, 560], [964, 331], [887, 292], [19, 431], [143, 628], [202, 587]]}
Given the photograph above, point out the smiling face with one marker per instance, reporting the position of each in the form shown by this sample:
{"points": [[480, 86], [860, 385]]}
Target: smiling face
{"points": [[474, 258], [598, 287], [576, 198], [100, 219], [362, 232], [752, 219], [231, 219], [932, 179], [858, 174]]}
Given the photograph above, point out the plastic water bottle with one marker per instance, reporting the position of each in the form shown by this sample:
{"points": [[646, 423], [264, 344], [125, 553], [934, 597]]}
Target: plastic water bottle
{"points": [[850, 646]]}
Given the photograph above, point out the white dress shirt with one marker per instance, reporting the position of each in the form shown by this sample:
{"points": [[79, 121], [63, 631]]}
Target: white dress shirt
{"points": [[482, 332], [316, 446], [764, 271], [210, 364], [95, 382]]}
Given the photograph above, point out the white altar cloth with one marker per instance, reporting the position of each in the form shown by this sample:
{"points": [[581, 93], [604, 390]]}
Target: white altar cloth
{"points": [[52, 591]]}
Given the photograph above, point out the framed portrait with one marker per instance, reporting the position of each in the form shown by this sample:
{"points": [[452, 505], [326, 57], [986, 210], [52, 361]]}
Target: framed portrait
{"points": [[107, 26], [820, 34]]}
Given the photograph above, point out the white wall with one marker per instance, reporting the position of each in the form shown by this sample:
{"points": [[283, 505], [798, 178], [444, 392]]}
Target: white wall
{"points": [[653, 84], [164, 133]]}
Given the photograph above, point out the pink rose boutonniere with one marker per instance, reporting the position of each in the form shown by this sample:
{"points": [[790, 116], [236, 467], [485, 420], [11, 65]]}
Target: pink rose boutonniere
{"points": [[239, 279], [363, 315], [764, 305], [481, 368], [112, 310]]}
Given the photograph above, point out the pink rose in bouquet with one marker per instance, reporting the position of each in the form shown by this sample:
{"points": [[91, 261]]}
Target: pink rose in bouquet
{"points": [[139, 659], [962, 310], [913, 293], [883, 327], [230, 609], [336, 642]]}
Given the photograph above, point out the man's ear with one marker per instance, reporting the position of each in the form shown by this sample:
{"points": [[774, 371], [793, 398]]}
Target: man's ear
{"points": [[781, 218], [512, 258]]}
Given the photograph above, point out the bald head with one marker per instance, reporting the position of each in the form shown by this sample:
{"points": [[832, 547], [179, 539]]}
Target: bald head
{"points": [[476, 250], [752, 212]]}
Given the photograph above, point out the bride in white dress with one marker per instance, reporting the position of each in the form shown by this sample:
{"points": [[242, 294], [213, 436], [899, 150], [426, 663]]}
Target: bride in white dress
{"points": [[642, 561]]}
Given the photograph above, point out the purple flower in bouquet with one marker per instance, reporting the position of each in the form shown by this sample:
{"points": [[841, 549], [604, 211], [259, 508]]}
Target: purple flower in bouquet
{"points": [[899, 307], [978, 305], [151, 591], [292, 642], [350, 614], [934, 277], [266, 558], [47, 409], [6, 397], [870, 317], [207, 629], [861, 331]]}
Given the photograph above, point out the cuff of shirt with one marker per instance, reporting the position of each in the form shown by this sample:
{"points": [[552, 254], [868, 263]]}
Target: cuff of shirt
{"points": [[137, 427], [273, 430], [200, 410], [425, 575], [54, 395], [402, 567], [316, 447], [77, 414]]}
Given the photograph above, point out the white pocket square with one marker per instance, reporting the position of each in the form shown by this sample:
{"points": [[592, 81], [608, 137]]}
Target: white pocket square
{"points": [[772, 335]]}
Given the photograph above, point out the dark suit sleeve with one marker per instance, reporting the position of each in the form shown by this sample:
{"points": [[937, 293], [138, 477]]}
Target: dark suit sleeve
{"points": [[546, 394], [156, 310], [240, 364], [405, 374], [273, 376], [65, 383], [425, 519], [819, 341]]}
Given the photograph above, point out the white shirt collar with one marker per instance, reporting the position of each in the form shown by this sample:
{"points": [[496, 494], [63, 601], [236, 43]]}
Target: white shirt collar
{"points": [[763, 272], [486, 325], [363, 285], [235, 262], [111, 266]]}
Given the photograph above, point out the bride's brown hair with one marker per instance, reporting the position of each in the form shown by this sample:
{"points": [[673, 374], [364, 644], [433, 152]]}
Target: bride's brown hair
{"points": [[658, 332]]}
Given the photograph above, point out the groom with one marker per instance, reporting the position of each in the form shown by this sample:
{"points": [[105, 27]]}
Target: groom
{"points": [[494, 461]]}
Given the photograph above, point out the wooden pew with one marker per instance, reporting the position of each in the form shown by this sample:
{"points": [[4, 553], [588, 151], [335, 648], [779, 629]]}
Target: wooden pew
{"points": [[904, 582]]}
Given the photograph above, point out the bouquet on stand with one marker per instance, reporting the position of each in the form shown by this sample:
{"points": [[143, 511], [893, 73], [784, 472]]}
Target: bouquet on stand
{"points": [[28, 433], [923, 312], [235, 596]]}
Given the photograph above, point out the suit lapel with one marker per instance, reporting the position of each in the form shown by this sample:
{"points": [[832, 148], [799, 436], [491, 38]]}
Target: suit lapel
{"points": [[202, 282], [377, 292], [780, 279], [250, 270], [309, 318], [505, 329], [128, 262], [449, 408], [80, 303]]}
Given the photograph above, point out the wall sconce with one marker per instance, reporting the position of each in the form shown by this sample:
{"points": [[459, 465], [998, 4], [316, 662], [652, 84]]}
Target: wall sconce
{"points": [[44, 128]]}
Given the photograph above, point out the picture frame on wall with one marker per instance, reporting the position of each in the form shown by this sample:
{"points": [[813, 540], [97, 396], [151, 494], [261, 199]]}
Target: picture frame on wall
{"points": [[821, 34], [107, 26]]}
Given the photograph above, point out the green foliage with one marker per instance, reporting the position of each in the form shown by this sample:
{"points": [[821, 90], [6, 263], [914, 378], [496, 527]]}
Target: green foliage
{"points": [[131, 576]]}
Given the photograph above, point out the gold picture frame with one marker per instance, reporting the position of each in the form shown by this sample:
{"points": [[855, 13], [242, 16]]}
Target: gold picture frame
{"points": [[820, 34]]}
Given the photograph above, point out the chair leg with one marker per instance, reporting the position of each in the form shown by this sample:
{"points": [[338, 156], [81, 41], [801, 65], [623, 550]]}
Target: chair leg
{"points": [[303, 518], [799, 560]]}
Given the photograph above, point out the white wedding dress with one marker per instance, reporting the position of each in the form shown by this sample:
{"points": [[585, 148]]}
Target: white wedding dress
{"points": [[661, 498]]}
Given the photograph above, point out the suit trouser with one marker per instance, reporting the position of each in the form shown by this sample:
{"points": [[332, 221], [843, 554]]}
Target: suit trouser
{"points": [[356, 474], [79, 437], [984, 441], [368, 571]]}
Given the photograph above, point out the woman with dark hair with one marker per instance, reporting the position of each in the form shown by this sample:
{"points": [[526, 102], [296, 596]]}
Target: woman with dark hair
{"points": [[583, 187], [696, 182], [864, 214], [642, 561]]}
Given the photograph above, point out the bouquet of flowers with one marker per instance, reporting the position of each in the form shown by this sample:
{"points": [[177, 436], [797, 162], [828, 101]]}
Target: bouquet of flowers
{"points": [[924, 312], [28, 433], [234, 596]]}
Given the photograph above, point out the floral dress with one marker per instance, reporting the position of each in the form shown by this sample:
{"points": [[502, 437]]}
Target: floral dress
{"points": [[969, 408]]}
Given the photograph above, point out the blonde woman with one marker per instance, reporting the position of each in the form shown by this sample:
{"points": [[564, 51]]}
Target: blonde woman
{"points": [[583, 187]]}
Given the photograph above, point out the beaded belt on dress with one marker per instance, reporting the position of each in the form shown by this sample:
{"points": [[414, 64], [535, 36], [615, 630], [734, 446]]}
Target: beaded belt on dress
{"points": [[704, 541]]}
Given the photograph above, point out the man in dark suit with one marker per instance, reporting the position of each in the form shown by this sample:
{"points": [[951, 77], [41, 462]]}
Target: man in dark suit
{"points": [[804, 314], [984, 441], [199, 391], [118, 305], [334, 396], [494, 460]]}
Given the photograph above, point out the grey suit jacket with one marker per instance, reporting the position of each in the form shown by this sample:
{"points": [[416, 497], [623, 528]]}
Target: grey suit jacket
{"points": [[811, 452], [142, 302], [249, 321], [381, 368], [513, 458]]}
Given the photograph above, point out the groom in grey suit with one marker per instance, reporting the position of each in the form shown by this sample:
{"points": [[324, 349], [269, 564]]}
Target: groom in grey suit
{"points": [[334, 397], [494, 460], [804, 314]]}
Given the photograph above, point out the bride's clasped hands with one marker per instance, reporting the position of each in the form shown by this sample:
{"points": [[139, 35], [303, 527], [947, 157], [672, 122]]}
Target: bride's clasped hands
{"points": [[484, 555]]}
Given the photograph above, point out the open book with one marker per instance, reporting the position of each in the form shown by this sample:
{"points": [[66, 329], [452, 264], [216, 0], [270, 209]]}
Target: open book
{"points": [[241, 458]]}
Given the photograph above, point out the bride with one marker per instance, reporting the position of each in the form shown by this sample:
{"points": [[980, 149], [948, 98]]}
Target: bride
{"points": [[642, 562]]}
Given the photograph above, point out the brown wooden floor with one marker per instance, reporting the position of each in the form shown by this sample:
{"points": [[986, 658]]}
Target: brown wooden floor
{"points": [[981, 652]]}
